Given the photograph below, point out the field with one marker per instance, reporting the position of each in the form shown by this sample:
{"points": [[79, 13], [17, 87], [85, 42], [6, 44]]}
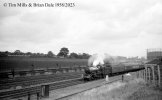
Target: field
{"points": [[28, 63], [136, 89]]}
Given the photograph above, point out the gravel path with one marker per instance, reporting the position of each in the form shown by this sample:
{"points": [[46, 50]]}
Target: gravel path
{"points": [[55, 94]]}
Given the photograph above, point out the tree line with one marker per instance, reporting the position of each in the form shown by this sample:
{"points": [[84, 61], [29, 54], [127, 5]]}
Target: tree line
{"points": [[63, 53]]}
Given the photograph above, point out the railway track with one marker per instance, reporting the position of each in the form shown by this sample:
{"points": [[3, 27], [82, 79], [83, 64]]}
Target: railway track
{"points": [[37, 88], [33, 89], [53, 86], [37, 80]]}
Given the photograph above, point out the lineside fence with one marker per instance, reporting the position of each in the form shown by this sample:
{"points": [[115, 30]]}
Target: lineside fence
{"points": [[41, 72], [151, 74]]}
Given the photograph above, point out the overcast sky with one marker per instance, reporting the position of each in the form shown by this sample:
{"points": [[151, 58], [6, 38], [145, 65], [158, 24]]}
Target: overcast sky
{"points": [[117, 27]]}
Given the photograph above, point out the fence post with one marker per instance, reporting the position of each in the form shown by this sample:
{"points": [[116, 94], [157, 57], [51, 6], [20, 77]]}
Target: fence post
{"points": [[38, 96], [122, 77], [139, 74], [159, 75], [153, 74], [144, 74], [28, 96], [149, 75]]}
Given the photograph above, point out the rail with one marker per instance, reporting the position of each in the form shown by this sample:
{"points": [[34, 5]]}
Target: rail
{"points": [[37, 88]]}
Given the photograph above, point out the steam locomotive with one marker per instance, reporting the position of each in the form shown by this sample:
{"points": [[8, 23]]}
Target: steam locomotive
{"points": [[100, 71], [96, 72]]}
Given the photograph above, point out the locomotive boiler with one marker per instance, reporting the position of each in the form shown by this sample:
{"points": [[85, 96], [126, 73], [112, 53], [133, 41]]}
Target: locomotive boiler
{"points": [[96, 72]]}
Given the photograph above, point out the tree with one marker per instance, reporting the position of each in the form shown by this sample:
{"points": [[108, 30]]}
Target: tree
{"points": [[73, 55], [50, 54], [29, 53], [4, 54], [85, 56], [17, 52], [63, 52], [80, 56]]}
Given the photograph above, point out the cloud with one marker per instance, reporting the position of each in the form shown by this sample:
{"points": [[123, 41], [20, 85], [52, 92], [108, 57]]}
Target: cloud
{"points": [[118, 27], [33, 27], [7, 12]]}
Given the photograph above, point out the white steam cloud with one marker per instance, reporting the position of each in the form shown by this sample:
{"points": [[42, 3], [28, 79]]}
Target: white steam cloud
{"points": [[97, 59]]}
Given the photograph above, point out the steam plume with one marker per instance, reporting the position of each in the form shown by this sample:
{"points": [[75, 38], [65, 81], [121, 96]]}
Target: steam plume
{"points": [[96, 59]]}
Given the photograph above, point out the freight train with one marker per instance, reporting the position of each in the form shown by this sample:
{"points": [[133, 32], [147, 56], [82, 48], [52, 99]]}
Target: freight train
{"points": [[100, 71]]}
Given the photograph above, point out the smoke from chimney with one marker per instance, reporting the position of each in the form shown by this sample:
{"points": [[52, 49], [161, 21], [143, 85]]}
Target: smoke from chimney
{"points": [[97, 59]]}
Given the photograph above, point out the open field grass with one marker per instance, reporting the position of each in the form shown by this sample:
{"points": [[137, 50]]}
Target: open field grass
{"points": [[136, 89], [28, 63]]}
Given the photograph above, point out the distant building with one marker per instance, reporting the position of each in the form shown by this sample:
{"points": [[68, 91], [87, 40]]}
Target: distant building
{"points": [[154, 54]]}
